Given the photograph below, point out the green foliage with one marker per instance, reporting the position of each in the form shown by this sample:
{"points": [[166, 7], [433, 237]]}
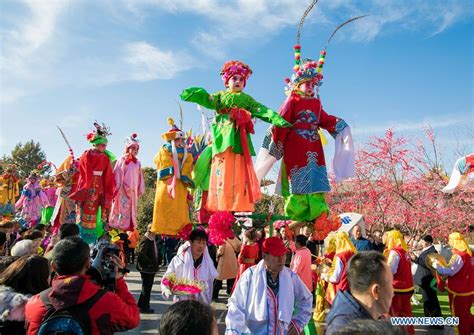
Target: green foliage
{"points": [[145, 209], [263, 206], [27, 157], [149, 176]]}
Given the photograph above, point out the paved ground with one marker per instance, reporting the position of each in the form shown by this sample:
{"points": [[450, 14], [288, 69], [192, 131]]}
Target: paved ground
{"points": [[149, 322]]}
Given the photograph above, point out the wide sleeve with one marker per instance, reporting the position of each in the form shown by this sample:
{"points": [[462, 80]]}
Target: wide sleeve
{"points": [[20, 201], [272, 146], [141, 181], [164, 164], [109, 184], [236, 318], [266, 114], [303, 303], [199, 96], [118, 175], [202, 169], [187, 170], [331, 123]]}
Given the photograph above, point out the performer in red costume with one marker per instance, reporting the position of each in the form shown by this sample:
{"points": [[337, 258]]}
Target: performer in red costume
{"points": [[94, 190], [460, 283], [399, 261]]}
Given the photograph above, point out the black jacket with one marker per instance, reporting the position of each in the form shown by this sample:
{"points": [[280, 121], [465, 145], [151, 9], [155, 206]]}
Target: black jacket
{"points": [[147, 256], [423, 274]]}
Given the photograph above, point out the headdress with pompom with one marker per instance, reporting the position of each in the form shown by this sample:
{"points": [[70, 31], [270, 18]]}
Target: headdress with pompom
{"points": [[174, 133], [131, 141], [307, 69], [99, 134], [233, 67]]}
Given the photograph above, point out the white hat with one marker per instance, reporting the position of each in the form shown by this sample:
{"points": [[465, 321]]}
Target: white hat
{"points": [[349, 220]]}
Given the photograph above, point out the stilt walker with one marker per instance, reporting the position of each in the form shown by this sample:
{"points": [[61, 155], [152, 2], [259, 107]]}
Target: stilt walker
{"points": [[94, 190]]}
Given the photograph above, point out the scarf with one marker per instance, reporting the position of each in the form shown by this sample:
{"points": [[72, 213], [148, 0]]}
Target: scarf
{"points": [[257, 308], [207, 270]]}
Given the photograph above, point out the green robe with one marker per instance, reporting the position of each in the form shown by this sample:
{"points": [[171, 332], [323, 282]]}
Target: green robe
{"points": [[224, 134]]}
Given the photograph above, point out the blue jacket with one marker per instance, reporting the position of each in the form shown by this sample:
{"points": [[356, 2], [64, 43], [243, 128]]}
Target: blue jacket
{"points": [[362, 244], [344, 310]]}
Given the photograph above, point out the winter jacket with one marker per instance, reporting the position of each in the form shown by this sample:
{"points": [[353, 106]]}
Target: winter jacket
{"points": [[147, 256], [113, 312], [12, 311], [344, 309]]}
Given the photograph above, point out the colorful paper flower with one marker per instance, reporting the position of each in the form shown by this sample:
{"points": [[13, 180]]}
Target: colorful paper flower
{"points": [[220, 227]]}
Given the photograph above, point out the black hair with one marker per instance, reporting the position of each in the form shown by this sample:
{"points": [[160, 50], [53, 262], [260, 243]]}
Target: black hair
{"points": [[70, 255], [365, 268], [187, 317], [67, 230], [33, 234], [27, 275], [301, 240], [369, 327], [3, 238], [40, 227], [428, 238], [198, 234]]}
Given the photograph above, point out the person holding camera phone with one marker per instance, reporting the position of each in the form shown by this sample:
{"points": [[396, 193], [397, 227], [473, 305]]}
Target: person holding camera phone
{"points": [[74, 300]]}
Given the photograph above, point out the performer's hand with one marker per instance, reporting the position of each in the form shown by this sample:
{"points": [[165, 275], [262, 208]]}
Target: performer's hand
{"points": [[292, 330], [435, 265]]}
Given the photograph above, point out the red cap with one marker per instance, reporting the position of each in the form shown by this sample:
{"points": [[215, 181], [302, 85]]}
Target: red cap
{"points": [[274, 246]]}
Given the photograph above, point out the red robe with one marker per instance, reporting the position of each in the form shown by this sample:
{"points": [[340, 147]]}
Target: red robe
{"points": [[95, 186], [304, 166]]}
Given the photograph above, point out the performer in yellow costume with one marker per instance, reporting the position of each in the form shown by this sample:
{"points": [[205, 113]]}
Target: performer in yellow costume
{"points": [[9, 190], [174, 164]]}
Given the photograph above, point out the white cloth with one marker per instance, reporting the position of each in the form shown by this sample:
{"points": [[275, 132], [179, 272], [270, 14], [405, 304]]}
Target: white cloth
{"points": [[454, 180], [251, 301], [183, 266], [344, 156], [393, 261], [338, 270], [264, 163]]}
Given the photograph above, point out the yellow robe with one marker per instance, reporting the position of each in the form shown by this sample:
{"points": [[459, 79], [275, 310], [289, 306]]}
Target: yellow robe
{"points": [[171, 214], [9, 191]]}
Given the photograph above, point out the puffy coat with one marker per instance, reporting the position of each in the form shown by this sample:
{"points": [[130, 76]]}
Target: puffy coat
{"points": [[113, 312]]}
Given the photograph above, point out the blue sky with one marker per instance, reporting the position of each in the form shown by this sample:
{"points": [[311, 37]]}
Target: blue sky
{"points": [[124, 62]]}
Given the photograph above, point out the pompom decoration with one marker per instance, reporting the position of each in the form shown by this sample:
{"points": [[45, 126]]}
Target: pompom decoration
{"points": [[220, 227], [323, 225], [183, 286], [170, 121], [185, 232], [134, 135], [90, 136]]}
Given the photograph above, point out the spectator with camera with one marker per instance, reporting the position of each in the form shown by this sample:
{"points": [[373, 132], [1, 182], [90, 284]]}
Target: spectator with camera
{"points": [[76, 301]]}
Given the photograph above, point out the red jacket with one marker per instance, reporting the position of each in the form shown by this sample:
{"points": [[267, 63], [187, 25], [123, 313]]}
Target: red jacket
{"points": [[111, 313], [463, 281], [403, 279]]}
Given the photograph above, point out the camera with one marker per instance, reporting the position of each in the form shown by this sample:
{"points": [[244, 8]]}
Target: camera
{"points": [[102, 269]]}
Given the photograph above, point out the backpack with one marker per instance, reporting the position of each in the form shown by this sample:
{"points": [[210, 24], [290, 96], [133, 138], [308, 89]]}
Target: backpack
{"points": [[73, 320]]}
